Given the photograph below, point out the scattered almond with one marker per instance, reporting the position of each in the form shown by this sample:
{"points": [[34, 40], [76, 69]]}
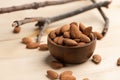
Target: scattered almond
{"points": [[26, 40], [85, 79], [68, 77], [56, 65], [43, 47], [70, 42], [118, 62], [17, 30], [96, 58], [52, 74], [65, 73], [98, 35], [32, 45]]}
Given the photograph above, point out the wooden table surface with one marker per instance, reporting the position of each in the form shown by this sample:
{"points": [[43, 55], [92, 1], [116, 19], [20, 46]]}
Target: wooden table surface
{"points": [[19, 63]]}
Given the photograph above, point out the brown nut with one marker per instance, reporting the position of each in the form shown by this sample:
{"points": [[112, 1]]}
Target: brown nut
{"points": [[96, 58], [65, 73], [56, 65], [17, 30], [82, 27], [81, 44], [56, 39], [43, 47], [74, 23], [87, 30], [26, 40], [118, 62], [60, 40], [52, 74], [32, 45], [66, 34], [84, 38], [98, 35], [52, 34], [77, 40], [65, 28], [57, 31], [68, 77], [70, 42], [74, 31], [86, 79]]}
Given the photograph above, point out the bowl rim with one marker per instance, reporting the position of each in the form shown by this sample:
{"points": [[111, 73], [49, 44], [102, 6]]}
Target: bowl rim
{"points": [[51, 41]]}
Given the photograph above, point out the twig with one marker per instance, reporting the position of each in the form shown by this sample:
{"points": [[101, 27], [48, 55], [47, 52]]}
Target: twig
{"points": [[75, 12], [34, 5], [106, 19]]}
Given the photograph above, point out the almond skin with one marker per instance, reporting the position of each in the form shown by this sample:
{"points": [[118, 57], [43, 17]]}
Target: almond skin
{"points": [[98, 35], [65, 73], [70, 42], [26, 40], [65, 28], [118, 62], [43, 47], [74, 23], [82, 27], [81, 44], [84, 38], [60, 40], [66, 34], [52, 74], [52, 34], [57, 31], [32, 45], [74, 31], [17, 30], [56, 39], [56, 65], [87, 31], [68, 77], [96, 58]]}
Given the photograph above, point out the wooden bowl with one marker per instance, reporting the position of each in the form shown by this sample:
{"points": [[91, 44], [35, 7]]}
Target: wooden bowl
{"points": [[71, 55]]}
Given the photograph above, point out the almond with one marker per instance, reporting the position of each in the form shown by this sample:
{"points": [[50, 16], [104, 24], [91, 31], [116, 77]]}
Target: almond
{"points": [[32, 45], [82, 27], [68, 77], [17, 30], [57, 31], [70, 42], [56, 65], [65, 28], [66, 34], [85, 79], [43, 47], [65, 73], [96, 58], [56, 39], [52, 34], [84, 38], [87, 31], [74, 31], [26, 40], [118, 62], [77, 40], [52, 74], [81, 44], [74, 23], [98, 35], [60, 40]]}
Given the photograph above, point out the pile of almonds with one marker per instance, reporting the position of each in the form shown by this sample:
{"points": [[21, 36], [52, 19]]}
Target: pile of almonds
{"points": [[33, 45], [73, 35]]}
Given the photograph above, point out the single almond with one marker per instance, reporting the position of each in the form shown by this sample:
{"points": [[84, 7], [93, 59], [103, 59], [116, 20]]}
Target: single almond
{"points": [[87, 30], [118, 62], [56, 39], [52, 74], [17, 30], [86, 79], [56, 65], [52, 34], [60, 40], [65, 73], [98, 35], [96, 58], [81, 44], [66, 34], [82, 27], [65, 28], [74, 31], [32, 45], [57, 31], [43, 47], [70, 42], [84, 38], [68, 77], [26, 40], [74, 23]]}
